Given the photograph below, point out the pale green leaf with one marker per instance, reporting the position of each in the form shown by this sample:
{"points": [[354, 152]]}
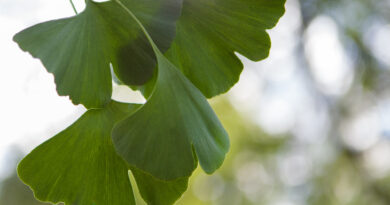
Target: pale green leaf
{"points": [[80, 166]]}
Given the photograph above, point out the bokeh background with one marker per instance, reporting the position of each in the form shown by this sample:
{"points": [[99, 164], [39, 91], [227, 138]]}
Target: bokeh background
{"points": [[308, 125]]}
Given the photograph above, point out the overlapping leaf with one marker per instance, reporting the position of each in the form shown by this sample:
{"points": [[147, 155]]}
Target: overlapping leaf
{"points": [[79, 50], [163, 136], [210, 31], [162, 140], [159, 137], [80, 166]]}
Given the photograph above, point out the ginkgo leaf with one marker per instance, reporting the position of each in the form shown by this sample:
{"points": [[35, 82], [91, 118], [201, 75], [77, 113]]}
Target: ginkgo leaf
{"points": [[174, 128], [159, 138], [80, 166], [162, 141], [78, 50], [210, 31]]}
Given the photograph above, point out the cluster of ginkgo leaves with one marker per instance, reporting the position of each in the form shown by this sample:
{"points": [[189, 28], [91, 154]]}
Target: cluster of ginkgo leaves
{"points": [[177, 53]]}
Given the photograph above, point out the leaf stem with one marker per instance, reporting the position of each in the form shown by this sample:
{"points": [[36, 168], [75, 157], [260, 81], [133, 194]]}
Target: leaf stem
{"points": [[74, 8], [140, 25]]}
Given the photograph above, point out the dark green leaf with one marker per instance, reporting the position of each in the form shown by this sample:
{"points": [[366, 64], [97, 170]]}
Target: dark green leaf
{"points": [[78, 50], [210, 31]]}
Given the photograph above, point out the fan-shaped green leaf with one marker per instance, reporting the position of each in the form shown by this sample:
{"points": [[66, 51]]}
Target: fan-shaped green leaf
{"points": [[159, 137], [80, 166], [210, 31], [175, 122], [79, 50]]}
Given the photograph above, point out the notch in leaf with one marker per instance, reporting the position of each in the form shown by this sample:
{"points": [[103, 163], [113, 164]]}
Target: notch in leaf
{"points": [[78, 50], [210, 31]]}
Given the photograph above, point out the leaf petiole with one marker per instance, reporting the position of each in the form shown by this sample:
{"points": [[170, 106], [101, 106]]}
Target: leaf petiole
{"points": [[74, 8], [140, 25]]}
